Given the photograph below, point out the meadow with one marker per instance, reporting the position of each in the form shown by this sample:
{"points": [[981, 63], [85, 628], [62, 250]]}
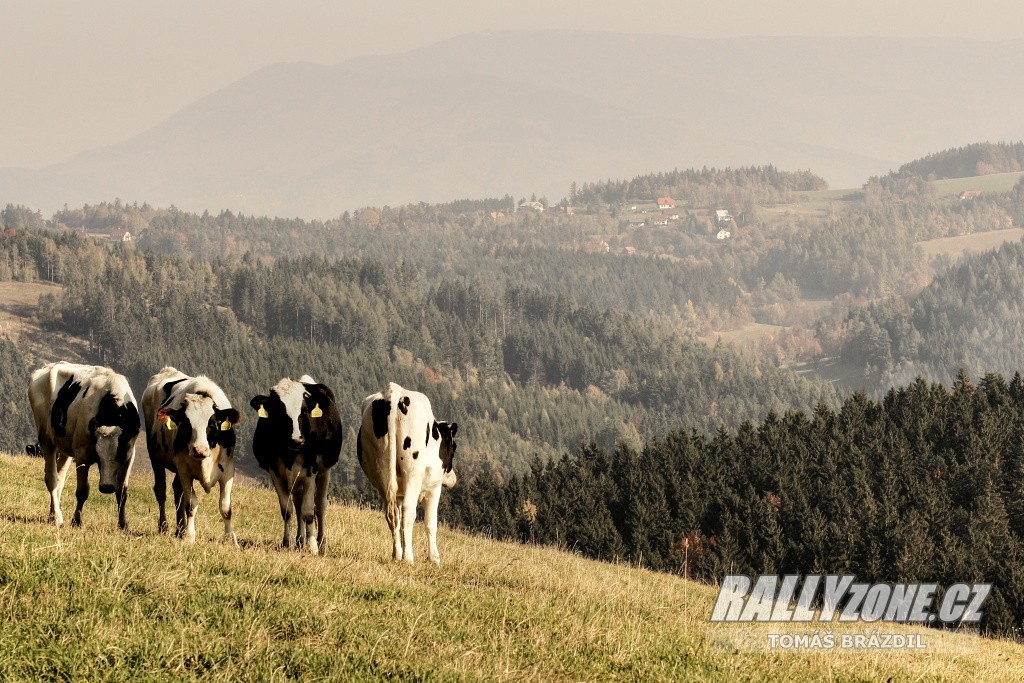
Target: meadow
{"points": [[92, 603], [992, 182], [957, 246]]}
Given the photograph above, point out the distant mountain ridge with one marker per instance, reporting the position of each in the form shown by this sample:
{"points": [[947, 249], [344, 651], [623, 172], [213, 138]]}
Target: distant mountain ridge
{"points": [[530, 112]]}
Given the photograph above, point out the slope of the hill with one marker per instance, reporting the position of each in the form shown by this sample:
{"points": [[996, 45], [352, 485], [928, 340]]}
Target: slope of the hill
{"points": [[94, 604], [970, 317], [522, 112]]}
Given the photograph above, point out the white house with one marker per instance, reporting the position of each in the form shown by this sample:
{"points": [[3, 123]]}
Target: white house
{"points": [[723, 235]]}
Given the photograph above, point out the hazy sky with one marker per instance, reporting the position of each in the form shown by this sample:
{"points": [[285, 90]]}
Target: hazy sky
{"points": [[78, 74]]}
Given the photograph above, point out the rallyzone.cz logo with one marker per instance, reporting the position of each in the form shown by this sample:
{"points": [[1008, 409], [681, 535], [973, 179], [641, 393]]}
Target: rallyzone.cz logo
{"points": [[772, 598]]}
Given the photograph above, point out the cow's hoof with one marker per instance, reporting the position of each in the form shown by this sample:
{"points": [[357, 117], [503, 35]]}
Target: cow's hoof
{"points": [[313, 547], [436, 559], [231, 539], [163, 528], [76, 522]]}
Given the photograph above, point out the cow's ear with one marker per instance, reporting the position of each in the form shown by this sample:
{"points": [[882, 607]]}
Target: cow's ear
{"points": [[321, 390], [165, 416], [229, 415], [257, 403]]}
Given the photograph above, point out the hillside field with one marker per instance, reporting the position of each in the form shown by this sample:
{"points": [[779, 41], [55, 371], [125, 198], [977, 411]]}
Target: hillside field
{"points": [[992, 182], [95, 604], [957, 246]]}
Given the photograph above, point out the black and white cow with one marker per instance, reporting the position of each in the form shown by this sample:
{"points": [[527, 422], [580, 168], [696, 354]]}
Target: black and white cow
{"points": [[407, 455], [33, 449], [85, 414], [190, 431], [298, 440]]}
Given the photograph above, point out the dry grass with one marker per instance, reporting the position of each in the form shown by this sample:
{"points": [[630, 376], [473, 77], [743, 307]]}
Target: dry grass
{"points": [[19, 302], [91, 603], [955, 247]]}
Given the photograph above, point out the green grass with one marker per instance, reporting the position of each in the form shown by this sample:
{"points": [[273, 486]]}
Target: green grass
{"points": [[994, 182], [95, 604]]}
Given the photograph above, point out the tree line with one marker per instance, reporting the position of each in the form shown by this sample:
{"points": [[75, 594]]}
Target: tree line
{"points": [[925, 484]]}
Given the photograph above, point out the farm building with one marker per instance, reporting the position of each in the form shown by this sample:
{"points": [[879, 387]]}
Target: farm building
{"points": [[722, 216], [666, 203]]}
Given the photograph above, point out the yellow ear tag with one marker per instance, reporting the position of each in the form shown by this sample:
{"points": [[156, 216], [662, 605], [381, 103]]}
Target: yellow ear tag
{"points": [[316, 412], [263, 412], [225, 425], [170, 424]]}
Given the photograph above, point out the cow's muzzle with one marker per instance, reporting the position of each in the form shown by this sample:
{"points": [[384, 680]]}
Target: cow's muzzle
{"points": [[200, 455], [106, 488]]}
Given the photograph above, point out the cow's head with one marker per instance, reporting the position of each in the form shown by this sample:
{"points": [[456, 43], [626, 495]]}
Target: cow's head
{"points": [[445, 433], [288, 412], [115, 428], [33, 449], [201, 429]]}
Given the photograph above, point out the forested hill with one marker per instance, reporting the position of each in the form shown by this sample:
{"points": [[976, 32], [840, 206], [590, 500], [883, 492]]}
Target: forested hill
{"points": [[703, 187], [980, 158], [970, 317], [524, 371], [925, 484]]}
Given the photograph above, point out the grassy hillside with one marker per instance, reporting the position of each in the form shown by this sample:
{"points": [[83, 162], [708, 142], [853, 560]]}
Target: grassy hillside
{"points": [[993, 182], [955, 247], [94, 604]]}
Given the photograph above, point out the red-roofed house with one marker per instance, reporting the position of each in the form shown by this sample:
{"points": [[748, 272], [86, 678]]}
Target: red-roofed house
{"points": [[666, 203]]}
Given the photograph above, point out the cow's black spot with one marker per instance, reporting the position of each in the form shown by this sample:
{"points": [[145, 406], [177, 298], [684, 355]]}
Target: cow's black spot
{"points": [[415, 454], [426, 441], [59, 411], [436, 433], [403, 405], [220, 467], [380, 409], [359, 446], [168, 388], [125, 416], [406, 443]]}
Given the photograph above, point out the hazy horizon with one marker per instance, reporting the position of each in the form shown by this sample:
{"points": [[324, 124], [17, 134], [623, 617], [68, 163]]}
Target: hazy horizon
{"points": [[82, 76]]}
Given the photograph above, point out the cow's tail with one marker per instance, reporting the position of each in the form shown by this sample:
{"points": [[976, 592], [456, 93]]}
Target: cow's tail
{"points": [[392, 395]]}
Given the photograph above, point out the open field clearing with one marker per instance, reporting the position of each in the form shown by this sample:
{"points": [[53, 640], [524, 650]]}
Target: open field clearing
{"points": [[18, 303], [994, 182], [748, 334], [95, 604], [956, 247]]}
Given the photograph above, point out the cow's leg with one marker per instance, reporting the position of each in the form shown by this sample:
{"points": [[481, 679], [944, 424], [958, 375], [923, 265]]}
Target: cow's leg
{"points": [[82, 490], [226, 484], [430, 503], [55, 471], [179, 506], [393, 515], [160, 491], [121, 495], [302, 495], [408, 520], [285, 502], [323, 482], [306, 512], [190, 502], [187, 506]]}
